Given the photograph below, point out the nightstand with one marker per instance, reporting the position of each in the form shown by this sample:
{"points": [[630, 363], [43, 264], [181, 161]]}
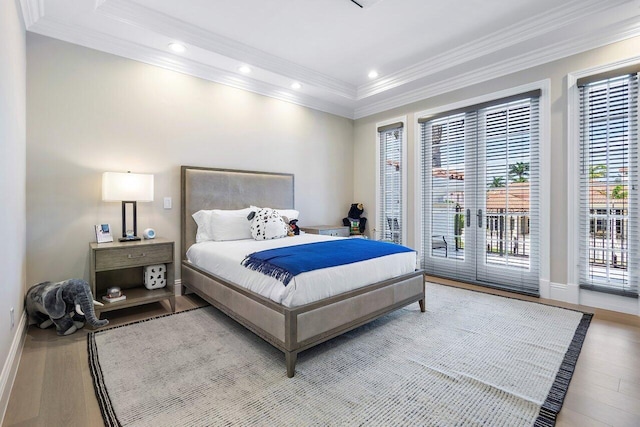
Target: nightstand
{"points": [[122, 264], [327, 230]]}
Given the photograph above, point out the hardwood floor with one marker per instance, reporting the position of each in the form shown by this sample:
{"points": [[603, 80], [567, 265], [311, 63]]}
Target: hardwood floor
{"points": [[53, 386]]}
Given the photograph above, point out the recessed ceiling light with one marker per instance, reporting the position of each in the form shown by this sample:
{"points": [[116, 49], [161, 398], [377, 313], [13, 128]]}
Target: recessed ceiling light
{"points": [[373, 74], [177, 47], [296, 85], [244, 69]]}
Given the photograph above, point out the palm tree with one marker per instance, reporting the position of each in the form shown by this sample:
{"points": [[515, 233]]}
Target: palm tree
{"points": [[597, 171], [520, 171], [618, 192], [497, 182]]}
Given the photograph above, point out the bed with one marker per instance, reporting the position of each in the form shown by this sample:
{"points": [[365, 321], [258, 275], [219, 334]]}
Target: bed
{"points": [[291, 328]]}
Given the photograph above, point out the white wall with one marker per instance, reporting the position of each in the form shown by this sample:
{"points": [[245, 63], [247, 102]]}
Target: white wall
{"points": [[12, 188], [90, 112]]}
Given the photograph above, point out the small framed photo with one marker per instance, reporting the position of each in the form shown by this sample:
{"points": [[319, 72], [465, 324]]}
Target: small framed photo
{"points": [[103, 233]]}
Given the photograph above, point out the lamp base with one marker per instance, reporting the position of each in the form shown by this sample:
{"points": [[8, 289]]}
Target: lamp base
{"points": [[129, 239]]}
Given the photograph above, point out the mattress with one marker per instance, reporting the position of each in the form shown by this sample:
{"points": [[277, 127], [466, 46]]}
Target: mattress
{"points": [[223, 260]]}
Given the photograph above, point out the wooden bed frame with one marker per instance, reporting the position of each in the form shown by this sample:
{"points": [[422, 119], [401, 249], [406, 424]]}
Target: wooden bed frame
{"points": [[291, 330]]}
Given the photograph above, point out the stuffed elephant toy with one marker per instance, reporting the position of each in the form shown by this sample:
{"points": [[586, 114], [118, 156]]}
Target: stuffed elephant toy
{"points": [[64, 304]]}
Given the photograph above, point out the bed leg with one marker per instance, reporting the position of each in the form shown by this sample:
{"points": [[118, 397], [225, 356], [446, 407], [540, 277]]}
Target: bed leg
{"points": [[422, 305], [291, 357]]}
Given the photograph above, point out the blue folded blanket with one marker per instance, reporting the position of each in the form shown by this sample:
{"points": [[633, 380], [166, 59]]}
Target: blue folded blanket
{"points": [[285, 263]]}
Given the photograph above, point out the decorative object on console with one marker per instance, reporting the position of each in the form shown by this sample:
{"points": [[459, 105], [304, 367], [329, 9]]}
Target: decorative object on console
{"points": [[154, 276], [355, 221], [149, 233], [103, 233], [64, 304], [128, 188], [114, 294]]}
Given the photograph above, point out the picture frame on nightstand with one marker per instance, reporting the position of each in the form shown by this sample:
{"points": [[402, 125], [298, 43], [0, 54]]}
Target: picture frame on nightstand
{"points": [[103, 233]]}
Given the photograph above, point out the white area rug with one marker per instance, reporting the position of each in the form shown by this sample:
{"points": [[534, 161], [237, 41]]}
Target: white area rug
{"points": [[471, 359]]}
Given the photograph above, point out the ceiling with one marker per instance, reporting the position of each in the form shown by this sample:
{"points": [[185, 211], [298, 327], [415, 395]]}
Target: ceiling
{"points": [[420, 48]]}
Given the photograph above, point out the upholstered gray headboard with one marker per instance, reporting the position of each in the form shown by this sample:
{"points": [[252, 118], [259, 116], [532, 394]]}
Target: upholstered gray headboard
{"points": [[209, 188]]}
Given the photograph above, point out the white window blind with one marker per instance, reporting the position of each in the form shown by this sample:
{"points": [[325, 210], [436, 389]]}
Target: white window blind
{"points": [[444, 143], [391, 191], [608, 185], [480, 193]]}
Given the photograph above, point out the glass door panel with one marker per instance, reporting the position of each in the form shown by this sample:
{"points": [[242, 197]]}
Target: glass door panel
{"points": [[447, 189], [477, 194]]}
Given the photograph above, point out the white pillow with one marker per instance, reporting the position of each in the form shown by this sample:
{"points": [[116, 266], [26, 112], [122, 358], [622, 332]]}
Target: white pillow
{"points": [[291, 214], [268, 224], [222, 225], [202, 219], [230, 225]]}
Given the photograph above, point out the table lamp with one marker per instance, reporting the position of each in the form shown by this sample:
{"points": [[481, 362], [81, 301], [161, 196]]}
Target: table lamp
{"points": [[128, 188]]}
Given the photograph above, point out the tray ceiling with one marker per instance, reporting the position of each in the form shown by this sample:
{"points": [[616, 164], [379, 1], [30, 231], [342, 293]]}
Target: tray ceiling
{"points": [[419, 48]]}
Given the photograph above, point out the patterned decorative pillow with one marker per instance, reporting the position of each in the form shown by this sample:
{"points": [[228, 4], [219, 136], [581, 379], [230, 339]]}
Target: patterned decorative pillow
{"points": [[268, 224]]}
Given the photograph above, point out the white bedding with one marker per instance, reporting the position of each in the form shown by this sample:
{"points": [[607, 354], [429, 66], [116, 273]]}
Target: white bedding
{"points": [[223, 259]]}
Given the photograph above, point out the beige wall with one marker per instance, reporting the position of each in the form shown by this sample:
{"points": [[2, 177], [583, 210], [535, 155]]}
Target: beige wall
{"points": [[365, 141], [90, 112], [12, 189]]}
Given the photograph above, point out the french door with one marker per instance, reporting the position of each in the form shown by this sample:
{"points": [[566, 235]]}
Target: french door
{"points": [[480, 210]]}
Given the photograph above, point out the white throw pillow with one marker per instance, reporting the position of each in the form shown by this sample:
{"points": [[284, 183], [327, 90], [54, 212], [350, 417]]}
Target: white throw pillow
{"points": [[222, 225], [268, 224], [202, 219], [230, 224], [291, 214]]}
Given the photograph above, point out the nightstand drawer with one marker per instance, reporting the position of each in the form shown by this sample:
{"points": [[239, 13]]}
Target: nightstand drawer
{"points": [[133, 256]]}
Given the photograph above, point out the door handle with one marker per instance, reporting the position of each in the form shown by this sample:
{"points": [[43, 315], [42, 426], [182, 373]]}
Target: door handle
{"points": [[468, 217], [479, 215]]}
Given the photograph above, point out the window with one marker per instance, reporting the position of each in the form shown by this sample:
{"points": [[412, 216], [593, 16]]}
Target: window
{"points": [[391, 176], [608, 184]]}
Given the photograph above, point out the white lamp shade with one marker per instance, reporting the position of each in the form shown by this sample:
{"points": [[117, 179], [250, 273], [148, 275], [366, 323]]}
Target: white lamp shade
{"points": [[117, 187]]}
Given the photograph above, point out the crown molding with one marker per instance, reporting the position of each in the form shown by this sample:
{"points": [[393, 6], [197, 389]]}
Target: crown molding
{"points": [[610, 34], [410, 85], [32, 11], [517, 33], [134, 14], [124, 48]]}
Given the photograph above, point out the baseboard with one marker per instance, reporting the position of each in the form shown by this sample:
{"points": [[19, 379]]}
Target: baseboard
{"points": [[610, 302], [544, 285], [571, 293], [566, 292], [10, 368], [182, 290]]}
